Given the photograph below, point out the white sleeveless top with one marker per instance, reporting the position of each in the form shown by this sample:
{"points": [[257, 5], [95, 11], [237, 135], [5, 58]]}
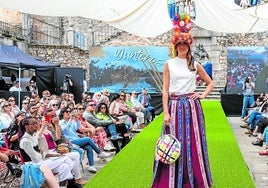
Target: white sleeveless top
{"points": [[182, 80]]}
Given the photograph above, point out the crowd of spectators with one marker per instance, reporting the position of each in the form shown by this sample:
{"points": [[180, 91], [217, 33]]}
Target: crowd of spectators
{"points": [[256, 122], [44, 123]]}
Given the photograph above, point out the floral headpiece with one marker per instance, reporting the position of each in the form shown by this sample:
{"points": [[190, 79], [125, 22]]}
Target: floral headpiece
{"points": [[182, 24]]}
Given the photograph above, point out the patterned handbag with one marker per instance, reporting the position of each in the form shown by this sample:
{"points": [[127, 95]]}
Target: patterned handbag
{"points": [[168, 149]]}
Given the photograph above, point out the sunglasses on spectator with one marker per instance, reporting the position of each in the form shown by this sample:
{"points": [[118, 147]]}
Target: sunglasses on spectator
{"points": [[55, 104], [91, 105], [7, 105], [80, 108], [67, 111], [103, 107], [38, 117]]}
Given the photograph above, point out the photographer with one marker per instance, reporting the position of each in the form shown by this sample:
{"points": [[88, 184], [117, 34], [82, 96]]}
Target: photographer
{"points": [[67, 83], [248, 92]]}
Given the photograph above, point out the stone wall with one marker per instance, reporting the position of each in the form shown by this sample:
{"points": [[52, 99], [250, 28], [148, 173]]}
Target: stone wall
{"points": [[63, 55]]}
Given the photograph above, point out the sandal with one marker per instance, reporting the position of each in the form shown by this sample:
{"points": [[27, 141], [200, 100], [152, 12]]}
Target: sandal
{"points": [[264, 152]]}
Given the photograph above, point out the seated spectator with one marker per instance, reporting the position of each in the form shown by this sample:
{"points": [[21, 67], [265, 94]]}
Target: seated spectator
{"points": [[105, 92], [98, 121], [71, 98], [69, 127], [140, 116], [14, 108], [259, 132], [48, 135], [30, 152], [102, 113], [116, 111], [6, 116], [263, 138], [96, 97], [12, 181], [84, 97], [145, 99], [138, 105], [254, 117], [45, 93], [125, 109], [260, 126], [97, 134], [105, 99], [40, 108], [13, 130], [32, 110], [24, 106]]}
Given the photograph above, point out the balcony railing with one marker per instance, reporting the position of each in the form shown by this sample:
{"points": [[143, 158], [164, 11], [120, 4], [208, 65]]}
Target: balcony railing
{"points": [[11, 30]]}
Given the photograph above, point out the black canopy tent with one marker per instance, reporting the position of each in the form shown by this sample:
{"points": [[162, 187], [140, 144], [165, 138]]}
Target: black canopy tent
{"points": [[12, 56]]}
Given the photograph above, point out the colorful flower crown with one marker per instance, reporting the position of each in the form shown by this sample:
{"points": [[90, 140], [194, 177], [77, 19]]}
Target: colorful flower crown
{"points": [[182, 24]]}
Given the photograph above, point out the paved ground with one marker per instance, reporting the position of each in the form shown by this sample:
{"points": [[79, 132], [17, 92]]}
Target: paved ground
{"points": [[257, 165]]}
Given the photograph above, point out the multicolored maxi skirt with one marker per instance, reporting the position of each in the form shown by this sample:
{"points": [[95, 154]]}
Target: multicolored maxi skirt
{"points": [[192, 169]]}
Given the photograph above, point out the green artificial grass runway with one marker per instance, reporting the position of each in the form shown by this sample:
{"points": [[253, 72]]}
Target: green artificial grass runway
{"points": [[132, 167]]}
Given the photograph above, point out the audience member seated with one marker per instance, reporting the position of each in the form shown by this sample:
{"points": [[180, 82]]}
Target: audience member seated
{"points": [[24, 106], [7, 179], [138, 105], [254, 117], [96, 97], [140, 123], [263, 138], [102, 113], [145, 99], [125, 109], [97, 134], [6, 116], [116, 111], [13, 130], [47, 136], [69, 127], [14, 108], [58, 164]]}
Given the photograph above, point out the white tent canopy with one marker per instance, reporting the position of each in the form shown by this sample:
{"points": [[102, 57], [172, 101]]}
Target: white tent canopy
{"points": [[225, 16], [149, 18]]}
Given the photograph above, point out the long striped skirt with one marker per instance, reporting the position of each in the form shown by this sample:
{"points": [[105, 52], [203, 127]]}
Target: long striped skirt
{"points": [[192, 169]]}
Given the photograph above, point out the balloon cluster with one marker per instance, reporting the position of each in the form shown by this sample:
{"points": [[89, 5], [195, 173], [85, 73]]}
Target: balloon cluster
{"points": [[182, 23]]}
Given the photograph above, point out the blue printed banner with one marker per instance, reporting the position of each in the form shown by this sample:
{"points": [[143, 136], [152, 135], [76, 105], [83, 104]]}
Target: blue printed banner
{"points": [[127, 68]]}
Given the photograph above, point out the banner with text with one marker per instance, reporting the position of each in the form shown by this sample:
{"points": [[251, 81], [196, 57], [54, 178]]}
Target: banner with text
{"points": [[127, 68]]}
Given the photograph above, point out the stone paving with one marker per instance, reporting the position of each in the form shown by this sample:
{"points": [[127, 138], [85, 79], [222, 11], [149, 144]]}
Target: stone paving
{"points": [[257, 164]]}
